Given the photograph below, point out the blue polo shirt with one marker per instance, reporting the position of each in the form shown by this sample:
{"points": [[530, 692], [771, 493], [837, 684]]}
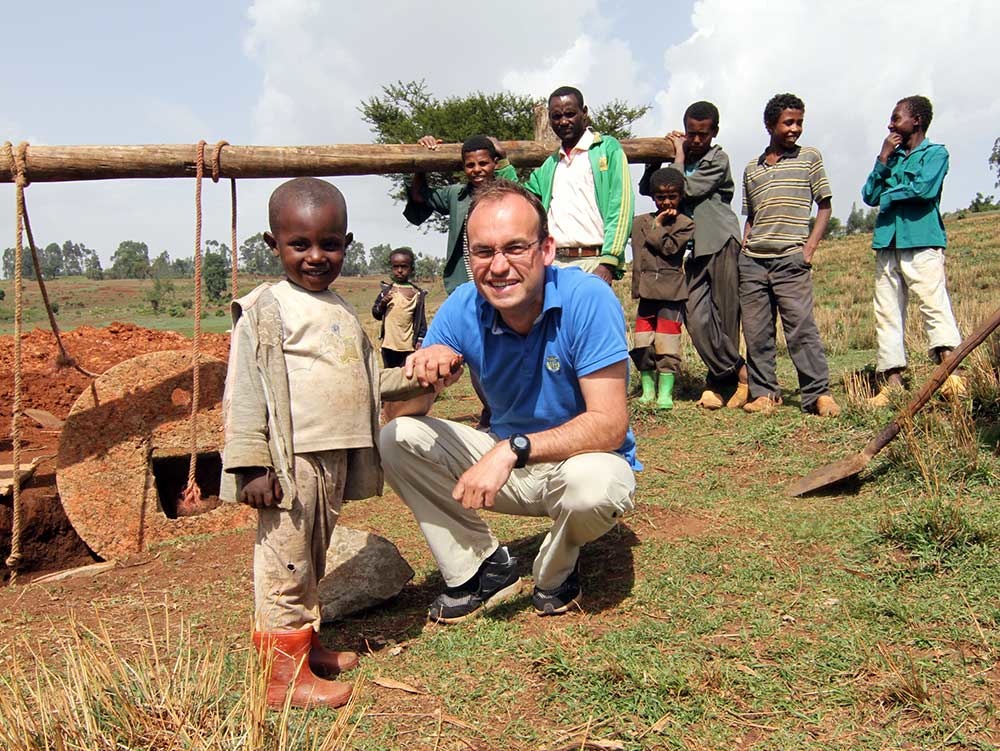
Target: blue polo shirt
{"points": [[532, 382]]}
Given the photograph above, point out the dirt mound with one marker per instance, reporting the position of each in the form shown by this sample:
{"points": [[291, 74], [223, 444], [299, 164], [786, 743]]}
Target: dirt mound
{"points": [[48, 387], [48, 539]]}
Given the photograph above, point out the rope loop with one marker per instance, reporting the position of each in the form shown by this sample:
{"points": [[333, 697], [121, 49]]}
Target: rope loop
{"points": [[216, 160]]}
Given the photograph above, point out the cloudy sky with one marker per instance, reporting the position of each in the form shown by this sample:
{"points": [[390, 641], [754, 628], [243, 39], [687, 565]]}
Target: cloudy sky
{"points": [[283, 72]]}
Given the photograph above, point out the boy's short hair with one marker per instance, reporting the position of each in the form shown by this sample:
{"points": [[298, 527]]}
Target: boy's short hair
{"points": [[497, 190], [305, 191], [479, 142], [919, 106], [567, 91], [667, 177], [703, 111], [779, 102], [405, 250]]}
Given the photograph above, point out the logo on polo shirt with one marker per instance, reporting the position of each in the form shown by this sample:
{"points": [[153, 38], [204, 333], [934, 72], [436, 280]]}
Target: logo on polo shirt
{"points": [[552, 364]]}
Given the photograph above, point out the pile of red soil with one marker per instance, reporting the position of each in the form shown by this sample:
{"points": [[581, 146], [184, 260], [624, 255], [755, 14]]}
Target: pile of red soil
{"points": [[48, 540]]}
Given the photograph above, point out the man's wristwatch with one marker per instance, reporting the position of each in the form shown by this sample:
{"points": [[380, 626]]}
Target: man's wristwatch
{"points": [[521, 447]]}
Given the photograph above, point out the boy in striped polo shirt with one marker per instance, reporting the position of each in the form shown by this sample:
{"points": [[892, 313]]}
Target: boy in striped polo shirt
{"points": [[779, 188]]}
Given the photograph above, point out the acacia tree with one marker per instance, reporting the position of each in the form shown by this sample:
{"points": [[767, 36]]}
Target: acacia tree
{"points": [[995, 160], [405, 111]]}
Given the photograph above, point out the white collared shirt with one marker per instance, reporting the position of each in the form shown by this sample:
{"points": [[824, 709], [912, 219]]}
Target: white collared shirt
{"points": [[574, 218]]}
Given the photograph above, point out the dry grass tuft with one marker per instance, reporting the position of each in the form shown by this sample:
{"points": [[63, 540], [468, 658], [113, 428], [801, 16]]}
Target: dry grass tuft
{"points": [[172, 692]]}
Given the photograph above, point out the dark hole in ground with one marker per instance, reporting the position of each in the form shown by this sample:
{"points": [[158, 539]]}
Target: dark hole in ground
{"points": [[171, 473]]}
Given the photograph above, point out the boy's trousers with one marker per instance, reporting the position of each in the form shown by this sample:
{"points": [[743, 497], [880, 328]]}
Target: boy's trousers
{"points": [[658, 336], [712, 313], [769, 286], [289, 557], [423, 457], [897, 274]]}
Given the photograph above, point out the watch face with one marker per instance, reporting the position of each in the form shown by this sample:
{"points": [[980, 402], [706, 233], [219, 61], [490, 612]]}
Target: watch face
{"points": [[520, 442]]}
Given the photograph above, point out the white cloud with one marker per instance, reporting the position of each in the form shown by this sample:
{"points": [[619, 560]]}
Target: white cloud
{"points": [[850, 62]]}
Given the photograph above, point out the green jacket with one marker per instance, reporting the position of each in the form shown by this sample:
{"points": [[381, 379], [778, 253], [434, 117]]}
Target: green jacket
{"points": [[907, 192], [613, 188], [453, 201]]}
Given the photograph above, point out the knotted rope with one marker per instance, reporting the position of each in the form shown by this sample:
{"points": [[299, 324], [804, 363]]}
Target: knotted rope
{"points": [[18, 167], [192, 493]]}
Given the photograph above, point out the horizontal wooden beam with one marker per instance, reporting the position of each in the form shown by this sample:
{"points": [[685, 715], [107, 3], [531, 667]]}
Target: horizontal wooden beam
{"points": [[71, 163]]}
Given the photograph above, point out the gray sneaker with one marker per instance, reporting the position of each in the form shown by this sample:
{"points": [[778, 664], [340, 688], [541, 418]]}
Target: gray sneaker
{"points": [[562, 599], [495, 582]]}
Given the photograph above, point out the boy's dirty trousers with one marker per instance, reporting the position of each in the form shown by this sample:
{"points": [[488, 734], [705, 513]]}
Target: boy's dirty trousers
{"points": [[289, 557], [423, 458], [769, 286]]}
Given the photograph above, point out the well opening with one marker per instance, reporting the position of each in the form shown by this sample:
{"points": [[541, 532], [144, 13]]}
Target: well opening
{"points": [[170, 474]]}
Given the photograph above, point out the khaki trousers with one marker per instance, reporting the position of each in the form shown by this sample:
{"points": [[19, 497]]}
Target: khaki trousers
{"points": [[289, 557], [584, 496], [898, 273]]}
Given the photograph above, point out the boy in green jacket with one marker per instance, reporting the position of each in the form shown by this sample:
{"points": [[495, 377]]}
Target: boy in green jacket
{"points": [[909, 243]]}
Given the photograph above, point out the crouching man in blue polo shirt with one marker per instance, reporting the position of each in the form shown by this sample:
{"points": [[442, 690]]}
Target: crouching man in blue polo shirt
{"points": [[548, 346]]}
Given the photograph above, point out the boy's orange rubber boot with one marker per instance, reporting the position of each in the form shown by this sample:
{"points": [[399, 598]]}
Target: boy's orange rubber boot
{"points": [[288, 655], [327, 663]]}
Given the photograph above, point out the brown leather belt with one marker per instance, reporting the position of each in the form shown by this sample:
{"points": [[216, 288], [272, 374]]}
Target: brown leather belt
{"points": [[577, 251]]}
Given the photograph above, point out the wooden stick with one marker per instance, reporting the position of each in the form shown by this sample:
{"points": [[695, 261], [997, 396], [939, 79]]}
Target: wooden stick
{"points": [[70, 163]]}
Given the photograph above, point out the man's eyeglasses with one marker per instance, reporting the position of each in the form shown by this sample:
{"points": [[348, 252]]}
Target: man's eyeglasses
{"points": [[511, 252]]}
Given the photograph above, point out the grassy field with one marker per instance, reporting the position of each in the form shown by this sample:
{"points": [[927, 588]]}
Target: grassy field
{"points": [[720, 615]]}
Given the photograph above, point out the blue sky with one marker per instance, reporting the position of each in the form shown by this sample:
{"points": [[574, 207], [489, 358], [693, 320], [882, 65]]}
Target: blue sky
{"points": [[293, 71]]}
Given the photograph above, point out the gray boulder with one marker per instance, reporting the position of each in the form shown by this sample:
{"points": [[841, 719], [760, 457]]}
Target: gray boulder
{"points": [[362, 570]]}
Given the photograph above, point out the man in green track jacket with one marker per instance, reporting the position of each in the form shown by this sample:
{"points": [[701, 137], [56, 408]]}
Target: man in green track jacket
{"points": [[589, 200]]}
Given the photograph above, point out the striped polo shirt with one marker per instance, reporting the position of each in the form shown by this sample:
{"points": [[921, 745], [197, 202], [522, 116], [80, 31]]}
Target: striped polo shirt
{"points": [[780, 198]]}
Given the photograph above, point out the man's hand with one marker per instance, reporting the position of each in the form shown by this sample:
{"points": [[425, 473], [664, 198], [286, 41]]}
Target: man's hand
{"points": [[677, 139], [665, 217], [889, 145], [430, 142], [809, 250], [436, 365], [605, 272], [501, 151], [479, 484], [260, 487]]}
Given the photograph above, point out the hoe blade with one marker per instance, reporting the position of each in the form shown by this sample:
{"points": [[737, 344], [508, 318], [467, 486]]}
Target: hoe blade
{"points": [[829, 474]]}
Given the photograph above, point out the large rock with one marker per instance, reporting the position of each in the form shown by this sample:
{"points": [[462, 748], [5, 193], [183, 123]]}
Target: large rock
{"points": [[362, 570]]}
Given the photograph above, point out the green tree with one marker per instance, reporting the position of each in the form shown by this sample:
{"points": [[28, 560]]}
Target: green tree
{"points": [[130, 261], [983, 203], [405, 111], [835, 227], [354, 260], [428, 267], [92, 268], [50, 259], [860, 220], [378, 258], [257, 258], [182, 268], [162, 290], [995, 160], [160, 268], [215, 270], [73, 257]]}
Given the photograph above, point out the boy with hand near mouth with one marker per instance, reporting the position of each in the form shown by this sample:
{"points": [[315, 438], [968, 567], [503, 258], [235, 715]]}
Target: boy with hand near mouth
{"points": [[712, 311], [779, 188], [658, 243], [909, 242], [301, 411]]}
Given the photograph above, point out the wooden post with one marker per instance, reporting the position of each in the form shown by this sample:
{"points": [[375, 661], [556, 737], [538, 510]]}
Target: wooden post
{"points": [[71, 163]]}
